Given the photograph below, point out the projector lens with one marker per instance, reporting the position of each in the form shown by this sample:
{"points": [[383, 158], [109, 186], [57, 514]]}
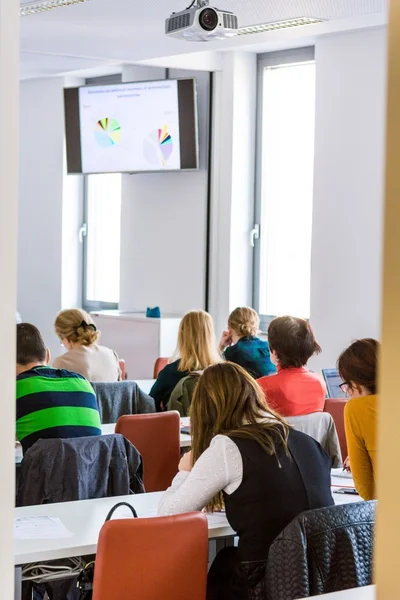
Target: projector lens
{"points": [[208, 19]]}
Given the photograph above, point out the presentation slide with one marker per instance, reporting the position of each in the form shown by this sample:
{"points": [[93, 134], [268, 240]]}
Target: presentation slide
{"points": [[130, 127]]}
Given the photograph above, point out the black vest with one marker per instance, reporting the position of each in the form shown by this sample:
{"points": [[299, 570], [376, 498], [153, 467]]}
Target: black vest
{"points": [[275, 489]]}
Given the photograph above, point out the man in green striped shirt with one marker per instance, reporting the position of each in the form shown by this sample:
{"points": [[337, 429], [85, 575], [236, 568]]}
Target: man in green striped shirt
{"points": [[51, 403]]}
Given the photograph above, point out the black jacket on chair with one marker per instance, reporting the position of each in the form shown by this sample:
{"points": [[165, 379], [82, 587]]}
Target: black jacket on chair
{"points": [[64, 470], [322, 551]]}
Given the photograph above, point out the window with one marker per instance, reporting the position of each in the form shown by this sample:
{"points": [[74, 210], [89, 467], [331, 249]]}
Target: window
{"points": [[102, 235], [285, 184]]}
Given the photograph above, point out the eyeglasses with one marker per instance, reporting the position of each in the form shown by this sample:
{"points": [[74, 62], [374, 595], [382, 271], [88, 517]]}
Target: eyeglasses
{"points": [[345, 387]]}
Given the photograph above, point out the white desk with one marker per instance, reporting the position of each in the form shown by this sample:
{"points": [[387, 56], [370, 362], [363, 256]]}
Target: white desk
{"points": [[364, 593], [145, 384], [84, 520], [185, 439]]}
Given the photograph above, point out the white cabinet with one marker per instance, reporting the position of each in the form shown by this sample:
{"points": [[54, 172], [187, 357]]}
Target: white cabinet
{"points": [[137, 339]]}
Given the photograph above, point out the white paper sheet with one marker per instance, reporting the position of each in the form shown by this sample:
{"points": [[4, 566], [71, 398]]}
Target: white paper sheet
{"points": [[39, 528]]}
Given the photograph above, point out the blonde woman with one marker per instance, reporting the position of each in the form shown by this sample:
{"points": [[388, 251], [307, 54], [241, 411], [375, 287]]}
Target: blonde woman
{"points": [[246, 458], [78, 334], [240, 344], [196, 350]]}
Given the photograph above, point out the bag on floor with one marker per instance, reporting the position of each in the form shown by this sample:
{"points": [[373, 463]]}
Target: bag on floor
{"points": [[86, 576]]}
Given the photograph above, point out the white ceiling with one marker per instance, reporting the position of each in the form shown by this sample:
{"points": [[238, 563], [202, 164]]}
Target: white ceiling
{"points": [[104, 32]]}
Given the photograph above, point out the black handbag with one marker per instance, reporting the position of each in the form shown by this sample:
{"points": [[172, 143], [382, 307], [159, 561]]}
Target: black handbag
{"points": [[86, 576]]}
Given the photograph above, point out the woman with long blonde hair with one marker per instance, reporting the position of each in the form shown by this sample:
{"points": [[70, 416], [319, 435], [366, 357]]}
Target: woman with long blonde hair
{"points": [[245, 458], [79, 336], [196, 350]]}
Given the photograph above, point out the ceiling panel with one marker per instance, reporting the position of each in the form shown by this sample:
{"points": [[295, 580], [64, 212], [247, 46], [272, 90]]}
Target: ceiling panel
{"points": [[248, 11], [133, 30]]}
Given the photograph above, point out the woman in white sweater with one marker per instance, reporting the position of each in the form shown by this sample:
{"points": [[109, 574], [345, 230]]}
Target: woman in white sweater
{"points": [[78, 334], [246, 459]]}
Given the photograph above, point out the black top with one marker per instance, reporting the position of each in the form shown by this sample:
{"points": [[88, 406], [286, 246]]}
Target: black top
{"points": [[166, 381], [272, 494], [252, 354]]}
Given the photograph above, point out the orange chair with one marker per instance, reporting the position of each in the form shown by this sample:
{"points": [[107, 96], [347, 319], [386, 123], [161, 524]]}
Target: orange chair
{"points": [[159, 365], [335, 407], [122, 366], [157, 437], [162, 558]]}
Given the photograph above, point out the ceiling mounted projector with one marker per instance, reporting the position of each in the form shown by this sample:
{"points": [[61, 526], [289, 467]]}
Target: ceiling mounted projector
{"points": [[201, 23]]}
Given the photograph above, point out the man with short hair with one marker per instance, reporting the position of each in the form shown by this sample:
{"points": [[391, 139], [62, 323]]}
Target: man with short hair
{"points": [[51, 403]]}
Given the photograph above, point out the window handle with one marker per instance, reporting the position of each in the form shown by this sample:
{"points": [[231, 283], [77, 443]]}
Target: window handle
{"points": [[254, 235], [82, 232]]}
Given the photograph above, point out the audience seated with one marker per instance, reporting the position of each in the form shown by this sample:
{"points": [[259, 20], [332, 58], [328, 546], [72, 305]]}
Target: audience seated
{"points": [[357, 367], [78, 334], [196, 350], [51, 403], [241, 345], [244, 456], [293, 390]]}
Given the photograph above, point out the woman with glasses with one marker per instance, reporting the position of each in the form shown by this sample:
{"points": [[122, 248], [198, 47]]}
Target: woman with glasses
{"points": [[357, 367]]}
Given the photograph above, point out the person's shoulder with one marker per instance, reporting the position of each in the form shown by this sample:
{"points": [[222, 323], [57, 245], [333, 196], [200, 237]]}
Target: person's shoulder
{"points": [[269, 381], [357, 406], [231, 351], [104, 350], [171, 368]]}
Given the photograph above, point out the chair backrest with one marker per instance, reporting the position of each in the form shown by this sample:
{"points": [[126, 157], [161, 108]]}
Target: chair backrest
{"points": [[162, 558], [323, 551], [122, 366], [157, 437], [335, 407], [321, 427], [160, 363]]}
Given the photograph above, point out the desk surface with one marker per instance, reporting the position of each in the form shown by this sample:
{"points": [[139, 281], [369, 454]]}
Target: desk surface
{"points": [[85, 518], [364, 593]]}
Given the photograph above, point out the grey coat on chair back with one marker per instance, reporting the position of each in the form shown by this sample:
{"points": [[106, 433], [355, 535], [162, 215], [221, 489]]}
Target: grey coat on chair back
{"points": [[322, 551], [64, 470], [119, 398]]}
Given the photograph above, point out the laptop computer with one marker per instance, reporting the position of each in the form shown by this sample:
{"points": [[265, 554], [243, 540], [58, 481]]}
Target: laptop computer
{"points": [[333, 381]]}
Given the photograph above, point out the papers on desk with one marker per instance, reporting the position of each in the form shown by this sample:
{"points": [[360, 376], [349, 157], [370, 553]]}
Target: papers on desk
{"points": [[217, 518], [39, 528]]}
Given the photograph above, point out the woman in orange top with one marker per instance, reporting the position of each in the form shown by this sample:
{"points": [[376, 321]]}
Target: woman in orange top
{"points": [[294, 390], [358, 368]]}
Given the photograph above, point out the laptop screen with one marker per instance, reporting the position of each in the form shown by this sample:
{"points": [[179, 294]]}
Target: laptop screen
{"points": [[333, 381]]}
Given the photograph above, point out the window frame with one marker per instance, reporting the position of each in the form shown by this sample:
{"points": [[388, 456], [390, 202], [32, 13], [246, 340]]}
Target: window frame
{"points": [[90, 305], [272, 59]]}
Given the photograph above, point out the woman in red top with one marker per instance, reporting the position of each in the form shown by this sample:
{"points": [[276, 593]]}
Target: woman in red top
{"points": [[293, 390]]}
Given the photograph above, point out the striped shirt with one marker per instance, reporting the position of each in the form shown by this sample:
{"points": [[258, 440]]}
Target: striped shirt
{"points": [[54, 403]]}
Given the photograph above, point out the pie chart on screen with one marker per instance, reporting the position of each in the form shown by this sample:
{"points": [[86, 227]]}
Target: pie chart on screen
{"points": [[158, 147], [107, 132]]}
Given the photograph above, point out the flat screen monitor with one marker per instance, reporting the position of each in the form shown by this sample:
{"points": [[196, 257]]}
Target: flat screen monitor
{"points": [[132, 127], [333, 381]]}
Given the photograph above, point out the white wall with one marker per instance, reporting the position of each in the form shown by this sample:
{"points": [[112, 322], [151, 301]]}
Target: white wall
{"points": [[163, 236], [348, 194], [233, 176], [48, 208], [9, 57]]}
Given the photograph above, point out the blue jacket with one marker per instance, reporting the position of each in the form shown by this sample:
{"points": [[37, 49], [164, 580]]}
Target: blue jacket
{"points": [[252, 354]]}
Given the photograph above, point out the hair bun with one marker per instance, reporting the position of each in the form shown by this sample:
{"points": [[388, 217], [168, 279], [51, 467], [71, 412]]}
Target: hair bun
{"points": [[85, 325]]}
